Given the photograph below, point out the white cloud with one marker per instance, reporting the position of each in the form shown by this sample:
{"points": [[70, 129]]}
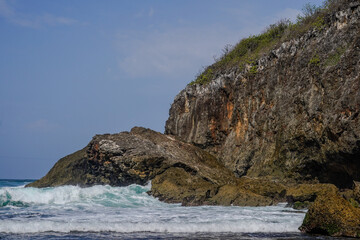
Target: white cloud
{"points": [[11, 15]]}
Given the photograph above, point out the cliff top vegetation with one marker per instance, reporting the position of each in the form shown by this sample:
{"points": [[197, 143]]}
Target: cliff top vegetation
{"points": [[246, 52]]}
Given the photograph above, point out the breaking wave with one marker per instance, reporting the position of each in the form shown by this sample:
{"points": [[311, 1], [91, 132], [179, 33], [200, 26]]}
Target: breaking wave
{"points": [[128, 210]]}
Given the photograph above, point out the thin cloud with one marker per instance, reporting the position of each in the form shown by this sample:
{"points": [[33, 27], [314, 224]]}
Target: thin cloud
{"points": [[144, 13], [151, 12], [11, 15], [41, 125]]}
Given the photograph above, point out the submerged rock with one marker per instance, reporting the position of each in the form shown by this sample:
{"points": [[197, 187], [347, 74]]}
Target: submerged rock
{"points": [[332, 215]]}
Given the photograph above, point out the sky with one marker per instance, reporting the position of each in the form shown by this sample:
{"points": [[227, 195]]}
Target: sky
{"points": [[72, 69]]}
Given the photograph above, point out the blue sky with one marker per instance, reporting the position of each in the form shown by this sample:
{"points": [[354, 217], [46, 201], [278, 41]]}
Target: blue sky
{"points": [[72, 69]]}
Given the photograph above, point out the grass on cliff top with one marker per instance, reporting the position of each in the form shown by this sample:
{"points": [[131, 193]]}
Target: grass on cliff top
{"points": [[244, 55]]}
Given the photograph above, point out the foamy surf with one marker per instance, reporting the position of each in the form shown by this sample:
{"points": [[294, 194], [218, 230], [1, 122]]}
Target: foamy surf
{"points": [[129, 210]]}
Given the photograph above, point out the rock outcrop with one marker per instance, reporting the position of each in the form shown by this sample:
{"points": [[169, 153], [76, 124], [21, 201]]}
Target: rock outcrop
{"points": [[135, 158], [293, 115], [180, 172]]}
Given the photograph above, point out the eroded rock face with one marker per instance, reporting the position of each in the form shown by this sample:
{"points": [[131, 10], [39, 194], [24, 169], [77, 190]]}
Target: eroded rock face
{"points": [[296, 119], [134, 158]]}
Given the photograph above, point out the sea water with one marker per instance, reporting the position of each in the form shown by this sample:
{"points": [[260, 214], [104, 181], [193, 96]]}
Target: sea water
{"points": [[104, 212]]}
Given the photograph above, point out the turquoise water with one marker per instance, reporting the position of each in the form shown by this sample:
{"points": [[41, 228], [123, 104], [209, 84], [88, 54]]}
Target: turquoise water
{"points": [[104, 212]]}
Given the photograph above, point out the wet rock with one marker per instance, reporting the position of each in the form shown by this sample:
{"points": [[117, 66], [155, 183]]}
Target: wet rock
{"points": [[264, 187], [332, 215], [176, 185], [236, 195], [308, 192]]}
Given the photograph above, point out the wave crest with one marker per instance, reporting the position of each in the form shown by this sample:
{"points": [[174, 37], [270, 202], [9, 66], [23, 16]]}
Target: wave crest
{"points": [[130, 196]]}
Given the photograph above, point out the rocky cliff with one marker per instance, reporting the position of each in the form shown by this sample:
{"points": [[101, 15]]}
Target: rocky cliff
{"points": [[291, 114]]}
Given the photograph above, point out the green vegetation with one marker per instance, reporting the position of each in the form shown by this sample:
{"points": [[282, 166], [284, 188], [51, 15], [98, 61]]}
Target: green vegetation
{"points": [[253, 70], [315, 61], [331, 228], [245, 54], [334, 58], [353, 202], [204, 77], [301, 205], [319, 23]]}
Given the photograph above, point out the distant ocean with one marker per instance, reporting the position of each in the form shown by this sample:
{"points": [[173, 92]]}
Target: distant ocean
{"points": [[104, 212]]}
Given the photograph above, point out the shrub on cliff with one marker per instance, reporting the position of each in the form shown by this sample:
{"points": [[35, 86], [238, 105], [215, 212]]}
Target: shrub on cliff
{"points": [[250, 49]]}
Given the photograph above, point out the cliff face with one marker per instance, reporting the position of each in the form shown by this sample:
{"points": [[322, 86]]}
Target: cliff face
{"points": [[296, 117]]}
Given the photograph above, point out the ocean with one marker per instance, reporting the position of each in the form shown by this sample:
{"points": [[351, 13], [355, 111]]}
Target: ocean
{"points": [[104, 212]]}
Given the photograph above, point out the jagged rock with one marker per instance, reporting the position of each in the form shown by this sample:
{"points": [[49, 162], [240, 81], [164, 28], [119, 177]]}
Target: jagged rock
{"points": [[332, 215], [296, 119], [133, 157]]}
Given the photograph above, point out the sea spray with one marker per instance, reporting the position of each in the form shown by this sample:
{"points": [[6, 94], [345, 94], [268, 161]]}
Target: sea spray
{"points": [[129, 210]]}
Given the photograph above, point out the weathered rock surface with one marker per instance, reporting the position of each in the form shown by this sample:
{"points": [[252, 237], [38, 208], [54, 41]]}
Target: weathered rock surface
{"points": [[309, 192], [296, 119], [236, 195], [180, 172], [303, 195], [332, 215], [135, 157]]}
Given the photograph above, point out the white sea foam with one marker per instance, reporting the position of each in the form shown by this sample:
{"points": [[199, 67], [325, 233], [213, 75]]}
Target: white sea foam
{"points": [[45, 226], [129, 209]]}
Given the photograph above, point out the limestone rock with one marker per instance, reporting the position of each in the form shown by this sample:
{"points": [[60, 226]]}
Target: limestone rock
{"points": [[292, 120]]}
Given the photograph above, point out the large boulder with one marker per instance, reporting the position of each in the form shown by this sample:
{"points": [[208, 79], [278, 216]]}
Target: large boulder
{"points": [[332, 215], [136, 157]]}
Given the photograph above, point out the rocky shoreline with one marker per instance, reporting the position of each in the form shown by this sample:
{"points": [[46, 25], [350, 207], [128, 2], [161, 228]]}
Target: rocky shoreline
{"points": [[283, 127], [183, 173]]}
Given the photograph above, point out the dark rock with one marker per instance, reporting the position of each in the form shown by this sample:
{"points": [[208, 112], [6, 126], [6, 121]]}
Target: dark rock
{"points": [[137, 157]]}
